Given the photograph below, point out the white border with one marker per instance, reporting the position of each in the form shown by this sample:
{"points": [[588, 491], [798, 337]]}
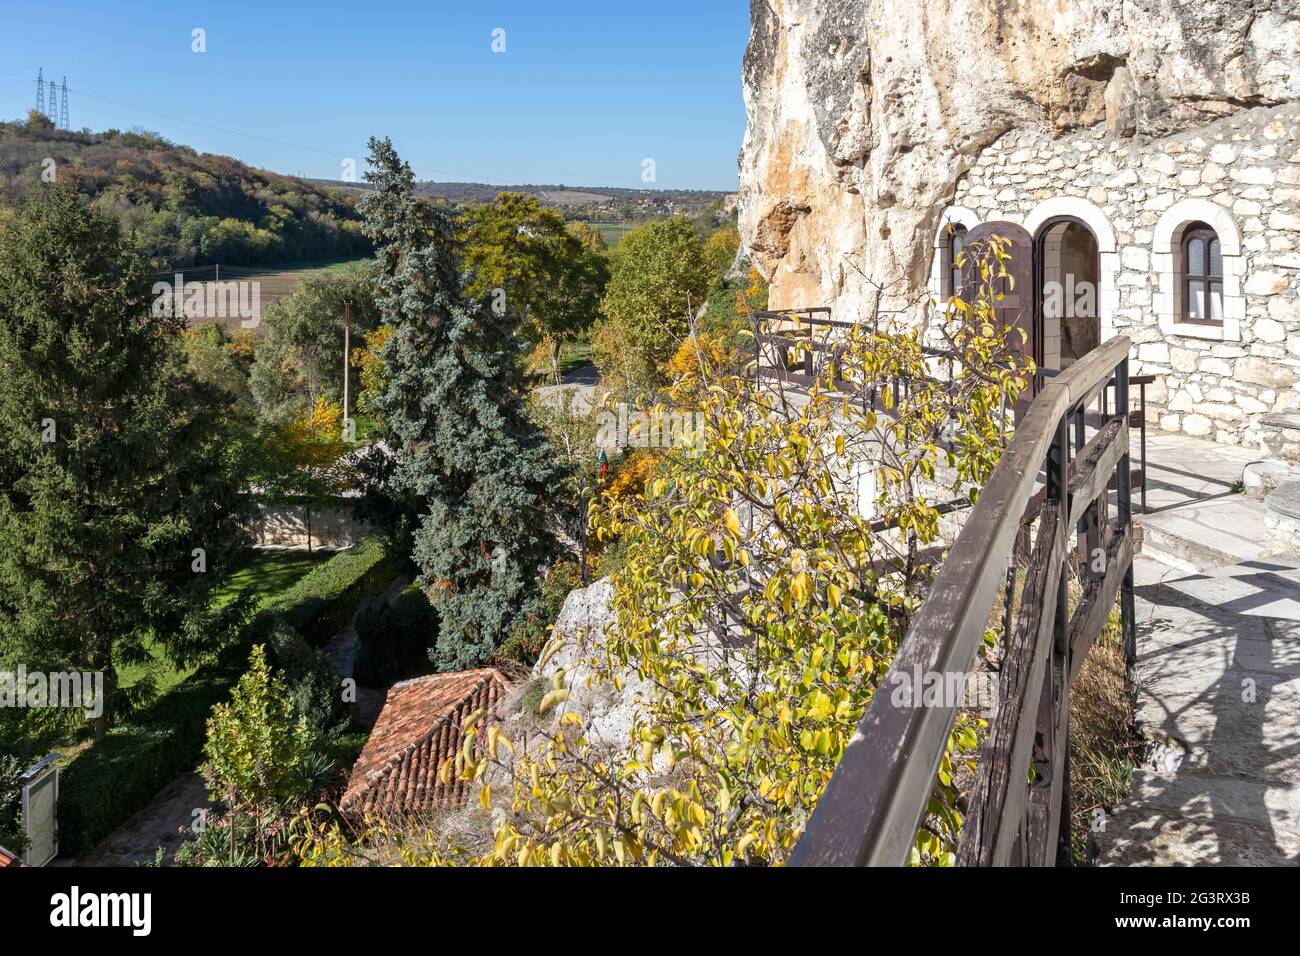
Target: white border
{"points": [[1107, 251], [1164, 251]]}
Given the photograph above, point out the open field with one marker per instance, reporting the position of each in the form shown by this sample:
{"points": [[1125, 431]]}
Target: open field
{"points": [[613, 232], [272, 285]]}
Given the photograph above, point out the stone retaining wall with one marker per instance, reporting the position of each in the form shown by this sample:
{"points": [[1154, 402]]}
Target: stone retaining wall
{"points": [[285, 526]]}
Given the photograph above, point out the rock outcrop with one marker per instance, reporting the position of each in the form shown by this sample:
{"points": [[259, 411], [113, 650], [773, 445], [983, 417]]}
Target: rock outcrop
{"points": [[863, 114], [608, 712]]}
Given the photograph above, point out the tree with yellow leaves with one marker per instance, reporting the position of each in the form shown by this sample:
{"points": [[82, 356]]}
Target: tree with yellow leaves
{"points": [[304, 461], [769, 581]]}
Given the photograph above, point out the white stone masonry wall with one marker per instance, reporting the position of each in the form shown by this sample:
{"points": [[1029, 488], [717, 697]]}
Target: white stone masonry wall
{"points": [[1239, 383]]}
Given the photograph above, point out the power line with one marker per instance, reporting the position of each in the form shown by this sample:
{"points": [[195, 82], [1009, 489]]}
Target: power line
{"points": [[63, 106], [337, 154], [220, 129]]}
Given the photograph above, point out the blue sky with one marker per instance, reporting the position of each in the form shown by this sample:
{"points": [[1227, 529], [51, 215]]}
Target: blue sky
{"points": [[584, 92]]}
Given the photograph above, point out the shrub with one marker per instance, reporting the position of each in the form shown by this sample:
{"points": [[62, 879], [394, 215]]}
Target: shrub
{"points": [[11, 830], [106, 783], [255, 747], [322, 603], [393, 638], [415, 626], [312, 683]]}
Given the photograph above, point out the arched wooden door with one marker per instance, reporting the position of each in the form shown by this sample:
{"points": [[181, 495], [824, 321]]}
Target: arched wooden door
{"points": [[1016, 309], [1017, 306]]}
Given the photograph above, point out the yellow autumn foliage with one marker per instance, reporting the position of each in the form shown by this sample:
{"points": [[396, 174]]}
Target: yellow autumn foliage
{"points": [[762, 605]]}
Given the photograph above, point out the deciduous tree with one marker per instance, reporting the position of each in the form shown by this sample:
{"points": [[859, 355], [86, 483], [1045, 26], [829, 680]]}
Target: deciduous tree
{"points": [[301, 358], [659, 278], [521, 255]]}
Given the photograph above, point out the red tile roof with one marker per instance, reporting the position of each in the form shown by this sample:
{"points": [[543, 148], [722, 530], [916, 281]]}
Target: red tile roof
{"points": [[418, 729], [9, 859]]}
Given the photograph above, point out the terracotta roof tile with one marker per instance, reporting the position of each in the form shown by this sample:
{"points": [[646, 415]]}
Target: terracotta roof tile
{"points": [[417, 730], [9, 859]]}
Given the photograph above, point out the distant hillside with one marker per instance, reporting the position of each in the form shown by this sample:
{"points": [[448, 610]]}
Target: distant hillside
{"points": [[186, 207], [553, 195]]}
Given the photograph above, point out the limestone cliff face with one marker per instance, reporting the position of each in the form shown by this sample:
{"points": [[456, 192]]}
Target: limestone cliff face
{"points": [[863, 114]]}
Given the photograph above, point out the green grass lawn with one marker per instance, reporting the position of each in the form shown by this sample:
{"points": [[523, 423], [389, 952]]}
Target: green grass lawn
{"points": [[571, 356], [260, 573], [264, 573], [613, 232]]}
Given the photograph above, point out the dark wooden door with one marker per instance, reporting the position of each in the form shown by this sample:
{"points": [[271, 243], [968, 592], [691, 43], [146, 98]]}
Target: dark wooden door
{"points": [[1015, 310]]}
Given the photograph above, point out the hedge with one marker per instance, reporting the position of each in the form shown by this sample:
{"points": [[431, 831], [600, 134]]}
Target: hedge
{"points": [[321, 604], [109, 781]]}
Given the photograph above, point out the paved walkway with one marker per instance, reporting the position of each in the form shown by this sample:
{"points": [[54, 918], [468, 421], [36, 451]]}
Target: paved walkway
{"points": [[1218, 616], [156, 827], [341, 652]]}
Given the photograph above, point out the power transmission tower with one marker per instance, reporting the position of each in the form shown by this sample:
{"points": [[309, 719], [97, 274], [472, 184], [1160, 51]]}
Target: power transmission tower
{"points": [[53, 114], [63, 106], [40, 90]]}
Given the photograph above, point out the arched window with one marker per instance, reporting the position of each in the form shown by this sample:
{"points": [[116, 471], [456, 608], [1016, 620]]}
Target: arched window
{"points": [[1202, 262], [951, 271]]}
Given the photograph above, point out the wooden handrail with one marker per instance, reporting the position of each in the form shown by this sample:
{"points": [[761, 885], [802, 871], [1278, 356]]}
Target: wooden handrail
{"points": [[871, 808]]}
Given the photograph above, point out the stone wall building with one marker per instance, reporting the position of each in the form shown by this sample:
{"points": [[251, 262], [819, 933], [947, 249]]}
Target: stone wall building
{"points": [[1144, 159], [1138, 221]]}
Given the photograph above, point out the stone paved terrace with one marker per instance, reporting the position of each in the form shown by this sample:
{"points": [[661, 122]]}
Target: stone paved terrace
{"points": [[1197, 518], [1218, 618]]}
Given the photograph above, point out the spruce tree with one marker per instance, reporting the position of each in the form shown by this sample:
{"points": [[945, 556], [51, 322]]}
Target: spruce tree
{"points": [[455, 421], [112, 467]]}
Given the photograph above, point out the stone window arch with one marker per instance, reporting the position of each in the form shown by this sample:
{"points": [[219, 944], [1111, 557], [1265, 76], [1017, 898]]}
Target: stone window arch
{"points": [[1173, 245], [961, 219]]}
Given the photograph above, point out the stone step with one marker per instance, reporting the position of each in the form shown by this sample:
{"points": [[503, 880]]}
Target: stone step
{"points": [[1183, 552], [1265, 588], [1282, 507], [1217, 532]]}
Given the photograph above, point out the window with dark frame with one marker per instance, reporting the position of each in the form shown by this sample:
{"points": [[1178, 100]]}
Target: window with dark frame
{"points": [[951, 271], [1202, 279]]}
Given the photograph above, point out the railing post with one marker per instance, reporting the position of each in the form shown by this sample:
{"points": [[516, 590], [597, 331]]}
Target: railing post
{"points": [[1124, 519], [1058, 489], [1142, 392]]}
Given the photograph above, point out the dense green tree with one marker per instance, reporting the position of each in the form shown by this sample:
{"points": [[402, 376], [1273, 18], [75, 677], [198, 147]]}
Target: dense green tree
{"points": [[301, 358], [223, 361], [112, 469], [457, 425], [518, 249], [659, 277]]}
